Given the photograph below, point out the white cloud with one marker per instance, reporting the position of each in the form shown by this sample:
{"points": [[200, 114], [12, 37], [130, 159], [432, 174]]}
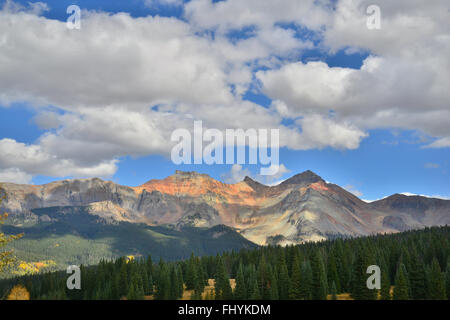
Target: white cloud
{"points": [[156, 3], [106, 76], [35, 8], [321, 132], [237, 14], [350, 188], [33, 160], [237, 173], [113, 59], [440, 143], [14, 175]]}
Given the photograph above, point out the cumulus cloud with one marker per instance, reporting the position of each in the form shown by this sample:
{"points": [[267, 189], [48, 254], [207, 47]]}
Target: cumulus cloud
{"points": [[120, 85], [350, 188], [237, 173], [237, 14], [156, 3], [20, 160], [321, 132], [14, 175]]}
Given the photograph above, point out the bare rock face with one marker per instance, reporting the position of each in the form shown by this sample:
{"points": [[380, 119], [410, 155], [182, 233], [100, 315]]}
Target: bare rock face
{"points": [[302, 208]]}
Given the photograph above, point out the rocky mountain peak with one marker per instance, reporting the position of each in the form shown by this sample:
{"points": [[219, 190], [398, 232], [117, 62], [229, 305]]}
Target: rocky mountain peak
{"points": [[255, 185], [305, 178]]}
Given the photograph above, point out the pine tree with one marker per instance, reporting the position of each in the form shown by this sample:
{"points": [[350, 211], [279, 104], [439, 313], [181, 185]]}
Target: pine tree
{"points": [[174, 284], [222, 282], [263, 278], [307, 281], [273, 285], [240, 291], [254, 289], [296, 281], [437, 282], [447, 279], [417, 278], [360, 291], [320, 285], [283, 281], [191, 273], [123, 280], [385, 292], [333, 274], [163, 286], [180, 282], [131, 295], [333, 291], [401, 289]]}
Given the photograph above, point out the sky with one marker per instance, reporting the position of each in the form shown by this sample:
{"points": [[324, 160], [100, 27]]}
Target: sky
{"points": [[365, 108]]}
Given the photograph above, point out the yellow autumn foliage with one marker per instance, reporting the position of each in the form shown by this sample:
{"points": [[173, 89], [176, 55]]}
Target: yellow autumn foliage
{"points": [[19, 292]]}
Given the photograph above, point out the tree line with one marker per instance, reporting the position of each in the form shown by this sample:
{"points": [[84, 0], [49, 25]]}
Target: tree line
{"points": [[414, 265]]}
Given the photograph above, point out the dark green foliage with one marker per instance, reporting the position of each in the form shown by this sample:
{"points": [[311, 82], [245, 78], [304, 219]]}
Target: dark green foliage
{"points": [[447, 279], [319, 280], [333, 291], [295, 285], [401, 289], [74, 236], [283, 280], [413, 262], [385, 293], [436, 285], [417, 278], [240, 291], [222, 282], [306, 288], [359, 277]]}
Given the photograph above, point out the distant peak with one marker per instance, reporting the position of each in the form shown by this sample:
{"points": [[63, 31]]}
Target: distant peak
{"points": [[306, 177], [248, 179], [255, 185]]}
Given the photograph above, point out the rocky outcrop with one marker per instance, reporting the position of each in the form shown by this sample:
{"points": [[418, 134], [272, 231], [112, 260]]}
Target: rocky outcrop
{"points": [[302, 208]]}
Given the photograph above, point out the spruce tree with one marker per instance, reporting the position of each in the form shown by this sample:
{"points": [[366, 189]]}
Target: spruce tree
{"points": [[307, 281], [131, 295], [401, 289], [123, 280], [283, 281], [385, 292], [296, 281], [254, 289], [333, 291], [360, 291], [273, 285], [320, 285], [163, 286], [240, 291], [332, 273], [263, 278], [447, 279], [417, 278], [437, 282], [222, 282]]}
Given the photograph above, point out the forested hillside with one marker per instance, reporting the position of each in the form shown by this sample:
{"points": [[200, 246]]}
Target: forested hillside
{"points": [[70, 235], [414, 265]]}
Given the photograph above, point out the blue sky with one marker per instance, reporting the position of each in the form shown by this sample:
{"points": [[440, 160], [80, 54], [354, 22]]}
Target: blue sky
{"points": [[406, 153]]}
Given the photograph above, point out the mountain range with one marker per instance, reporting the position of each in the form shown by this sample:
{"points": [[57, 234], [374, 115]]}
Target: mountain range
{"points": [[302, 208]]}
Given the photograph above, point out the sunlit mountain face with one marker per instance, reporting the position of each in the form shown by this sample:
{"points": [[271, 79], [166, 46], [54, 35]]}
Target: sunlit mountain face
{"points": [[302, 208]]}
